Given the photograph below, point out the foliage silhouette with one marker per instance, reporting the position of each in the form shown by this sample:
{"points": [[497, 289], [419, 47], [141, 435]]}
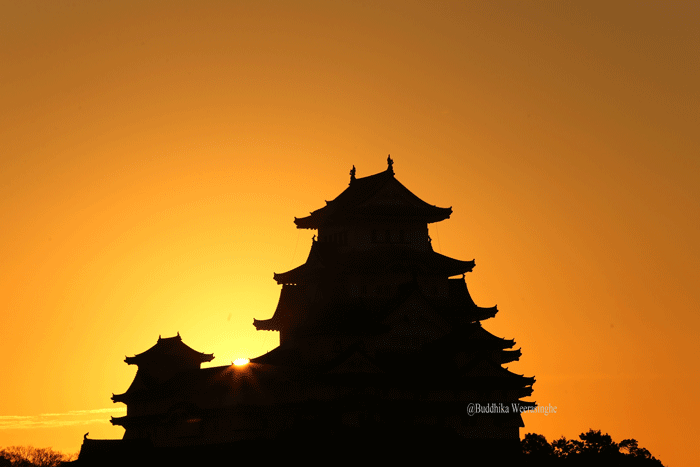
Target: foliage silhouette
{"points": [[537, 446], [29, 456], [593, 448]]}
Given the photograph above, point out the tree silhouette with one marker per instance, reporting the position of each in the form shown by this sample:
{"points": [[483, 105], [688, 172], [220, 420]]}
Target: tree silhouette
{"points": [[537, 446], [630, 447], [29, 456], [596, 443], [593, 448]]}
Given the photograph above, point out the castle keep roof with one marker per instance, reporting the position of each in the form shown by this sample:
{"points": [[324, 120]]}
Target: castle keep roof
{"points": [[169, 348], [377, 197]]}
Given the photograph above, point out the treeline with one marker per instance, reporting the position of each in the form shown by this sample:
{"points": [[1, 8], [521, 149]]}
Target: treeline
{"points": [[593, 448], [29, 456]]}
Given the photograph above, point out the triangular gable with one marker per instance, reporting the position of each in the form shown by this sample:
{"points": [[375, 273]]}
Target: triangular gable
{"points": [[363, 193], [393, 194], [167, 349]]}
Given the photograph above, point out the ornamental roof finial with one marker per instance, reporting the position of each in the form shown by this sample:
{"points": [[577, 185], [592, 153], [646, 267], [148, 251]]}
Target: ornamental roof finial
{"points": [[352, 174], [390, 163]]}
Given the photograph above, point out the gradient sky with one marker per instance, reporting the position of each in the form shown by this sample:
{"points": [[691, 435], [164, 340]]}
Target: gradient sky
{"points": [[154, 154]]}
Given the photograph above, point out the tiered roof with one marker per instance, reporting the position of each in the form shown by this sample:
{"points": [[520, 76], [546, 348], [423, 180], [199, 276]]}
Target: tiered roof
{"points": [[292, 303], [326, 257], [169, 348], [170, 356], [376, 197], [355, 317]]}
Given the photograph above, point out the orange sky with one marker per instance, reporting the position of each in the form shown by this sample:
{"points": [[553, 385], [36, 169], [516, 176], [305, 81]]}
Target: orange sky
{"points": [[154, 155]]}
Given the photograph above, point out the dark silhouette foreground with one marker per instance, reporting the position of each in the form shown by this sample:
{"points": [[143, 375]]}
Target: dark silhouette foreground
{"points": [[29, 456], [382, 355], [593, 448]]}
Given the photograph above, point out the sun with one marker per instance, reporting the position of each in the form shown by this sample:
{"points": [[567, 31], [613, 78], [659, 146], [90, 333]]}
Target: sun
{"points": [[241, 361]]}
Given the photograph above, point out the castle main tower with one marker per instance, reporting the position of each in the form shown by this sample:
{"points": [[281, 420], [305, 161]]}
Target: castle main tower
{"points": [[388, 323]]}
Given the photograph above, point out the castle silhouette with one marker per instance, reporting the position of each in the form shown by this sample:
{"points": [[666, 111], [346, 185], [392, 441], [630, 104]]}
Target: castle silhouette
{"points": [[381, 348]]}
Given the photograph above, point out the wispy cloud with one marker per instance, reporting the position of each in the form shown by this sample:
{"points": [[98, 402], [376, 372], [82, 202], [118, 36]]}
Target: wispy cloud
{"points": [[53, 420]]}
